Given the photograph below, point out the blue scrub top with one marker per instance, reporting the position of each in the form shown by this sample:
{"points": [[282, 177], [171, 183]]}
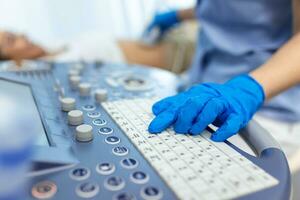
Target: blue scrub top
{"points": [[237, 36]]}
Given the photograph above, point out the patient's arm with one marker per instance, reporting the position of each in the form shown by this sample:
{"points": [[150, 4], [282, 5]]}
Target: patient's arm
{"points": [[137, 53], [18, 47], [187, 14]]}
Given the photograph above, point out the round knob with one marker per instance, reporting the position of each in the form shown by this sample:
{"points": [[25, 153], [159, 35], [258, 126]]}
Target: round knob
{"points": [[74, 72], [75, 117], [74, 81], [68, 104], [84, 133], [84, 89], [100, 95]]}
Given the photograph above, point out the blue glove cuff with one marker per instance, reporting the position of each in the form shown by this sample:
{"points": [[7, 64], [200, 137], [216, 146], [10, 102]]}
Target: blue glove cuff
{"points": [[248, 84]]}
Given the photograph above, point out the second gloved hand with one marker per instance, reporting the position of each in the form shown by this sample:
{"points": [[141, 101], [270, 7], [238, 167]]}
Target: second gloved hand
{"points": [[229, 106], [164, 21]]}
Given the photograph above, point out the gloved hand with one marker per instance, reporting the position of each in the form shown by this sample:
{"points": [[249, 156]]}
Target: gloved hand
{"points": [[164, 21], [229, 106]]}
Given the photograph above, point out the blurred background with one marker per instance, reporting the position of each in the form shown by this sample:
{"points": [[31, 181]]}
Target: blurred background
{"points": [[52, 22]]}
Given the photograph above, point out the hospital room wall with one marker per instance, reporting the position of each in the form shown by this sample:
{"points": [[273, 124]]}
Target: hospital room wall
{"points": [[56, 21]]}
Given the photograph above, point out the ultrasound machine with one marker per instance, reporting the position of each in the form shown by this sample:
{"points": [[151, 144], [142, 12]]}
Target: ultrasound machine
{"points": [[93, 141]]}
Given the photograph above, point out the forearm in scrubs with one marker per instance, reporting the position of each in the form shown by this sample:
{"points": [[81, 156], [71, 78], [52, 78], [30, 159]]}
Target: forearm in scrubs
{"points": [[282, 71]]}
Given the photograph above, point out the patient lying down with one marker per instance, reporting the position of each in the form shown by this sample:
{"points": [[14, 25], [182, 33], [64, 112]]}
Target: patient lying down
{"points": [[93, 47]]}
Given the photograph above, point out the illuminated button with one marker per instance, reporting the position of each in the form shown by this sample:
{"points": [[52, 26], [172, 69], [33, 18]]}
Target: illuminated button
{"points": [[139, 177], [129, 163], [84, 133], [80, 174], [73, 72], [75, 117], [94, 114], [88, 107], [105, 130], [84, 89], [114, 183], [151, 192], [87, 189], [124, 196], [68, 104], [74, 81], [120, 151], [99, 122], [112, 140], [44, 190], [100, 95], [105, 168]]}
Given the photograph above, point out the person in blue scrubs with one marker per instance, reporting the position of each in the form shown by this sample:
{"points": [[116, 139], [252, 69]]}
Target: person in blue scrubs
{"points": [[236, 37]]}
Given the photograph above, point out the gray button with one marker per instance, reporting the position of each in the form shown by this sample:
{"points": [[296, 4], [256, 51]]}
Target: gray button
{"points": [[120, 151], [84, 89], [88, 107], [112, 140], [75, 117], [99, 122], [68, 104], [105, 168], [44, 190], [124, 196], [139, 177], [94, 114], [129, 163], [80, 173], [151, 192], [84, 133], [87, 190], [114, 183], [74, 81], [101, 95], [105, 130]]}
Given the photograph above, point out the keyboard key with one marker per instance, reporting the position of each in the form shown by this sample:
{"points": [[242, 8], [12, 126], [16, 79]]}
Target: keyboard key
{"points": [[105, 168], [112, 140], [139, 177], [124, 196], [114, 183], [105, 130], [151, 192], [88, 107], [80, 174], [120, 151], [87, 189], [94, 114], [99, 122], [129, 163]]}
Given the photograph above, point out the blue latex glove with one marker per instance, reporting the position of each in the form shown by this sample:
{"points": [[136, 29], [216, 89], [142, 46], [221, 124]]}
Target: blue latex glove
{"points": [[164, 21], [229, 106]]}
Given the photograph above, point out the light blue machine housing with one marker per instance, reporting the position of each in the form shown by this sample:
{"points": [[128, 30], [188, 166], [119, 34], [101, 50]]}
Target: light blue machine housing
{"points": [[54, 162]]}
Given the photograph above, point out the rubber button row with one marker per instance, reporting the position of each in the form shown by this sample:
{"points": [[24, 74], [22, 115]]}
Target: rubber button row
{"points": [[48, 189]]}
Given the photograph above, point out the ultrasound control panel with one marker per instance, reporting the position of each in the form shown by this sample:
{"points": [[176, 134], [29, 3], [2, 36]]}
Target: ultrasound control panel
{"points": [[79, 152]]}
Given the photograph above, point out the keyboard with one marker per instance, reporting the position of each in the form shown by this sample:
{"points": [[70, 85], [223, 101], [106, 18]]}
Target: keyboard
{"points": [[194, 167]]}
